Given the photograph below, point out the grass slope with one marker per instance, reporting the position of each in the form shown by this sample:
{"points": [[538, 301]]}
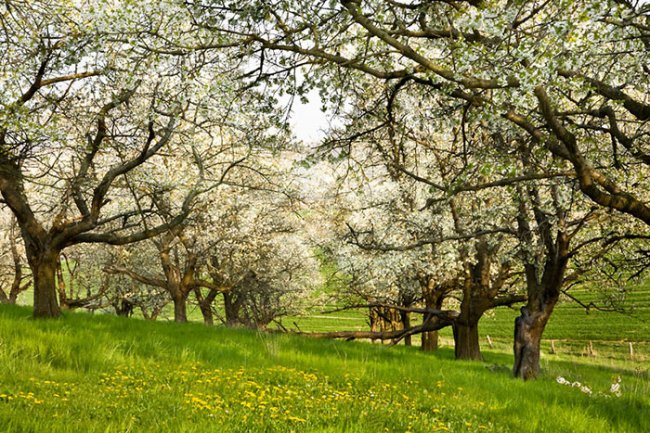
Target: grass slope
{"points": [[107, 374]]}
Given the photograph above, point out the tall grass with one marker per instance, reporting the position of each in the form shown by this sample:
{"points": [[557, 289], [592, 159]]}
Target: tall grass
{"points": [[100, 373]]}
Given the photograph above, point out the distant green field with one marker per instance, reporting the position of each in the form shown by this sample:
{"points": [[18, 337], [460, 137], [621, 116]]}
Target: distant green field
{"points": [[570, 326], [98, 373]]}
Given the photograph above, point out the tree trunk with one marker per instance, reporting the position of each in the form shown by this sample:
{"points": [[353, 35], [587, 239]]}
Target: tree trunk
{"points": [[3, 297], [544, 283], [467, 341], [229, 309], [231, 306], [43, 268], [433, 299], [373, 319], [205, 304], [206, 311], [430, 341], [180, 308], [63, 296], [123, 308], [406, 324], [472, 307], [529, 328]]}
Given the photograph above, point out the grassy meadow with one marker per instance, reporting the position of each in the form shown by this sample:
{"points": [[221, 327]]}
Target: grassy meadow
{"points": [[571, 328], [98, 373]]}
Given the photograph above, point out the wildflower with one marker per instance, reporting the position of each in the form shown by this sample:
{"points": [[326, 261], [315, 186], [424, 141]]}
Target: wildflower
{"points": [[562, 381], [586, 389], [616, 387], [581, 387]]}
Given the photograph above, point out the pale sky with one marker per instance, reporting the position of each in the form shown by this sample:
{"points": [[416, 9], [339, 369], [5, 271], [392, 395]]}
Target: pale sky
{"points": [[308, 121]]}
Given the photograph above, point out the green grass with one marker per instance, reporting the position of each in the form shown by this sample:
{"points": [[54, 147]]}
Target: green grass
{"points": [[85, 373], [570, 327]]}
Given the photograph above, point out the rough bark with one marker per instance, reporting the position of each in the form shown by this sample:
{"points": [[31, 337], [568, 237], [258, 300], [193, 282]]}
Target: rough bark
{"points": [[434, 296], [206, 311], [478, 292], [231, 309], [543, 285], [527, 339], [530, 325], [180, 308], [466, 340], [430, 341], [43, 265], [205, 304], [61, 286], [179, 273], [124, 308], [406, 324]]}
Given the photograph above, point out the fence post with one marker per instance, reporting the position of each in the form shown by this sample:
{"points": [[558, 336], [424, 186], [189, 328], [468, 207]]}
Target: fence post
{"points": [[590, 349], [631, 350]]}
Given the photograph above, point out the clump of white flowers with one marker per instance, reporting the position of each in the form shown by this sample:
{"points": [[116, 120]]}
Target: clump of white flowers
{"points": [[614, 389], [581, 387]]}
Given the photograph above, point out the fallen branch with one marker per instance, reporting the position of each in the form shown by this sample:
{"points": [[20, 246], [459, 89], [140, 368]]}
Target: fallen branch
{"points": [[396, 336]]}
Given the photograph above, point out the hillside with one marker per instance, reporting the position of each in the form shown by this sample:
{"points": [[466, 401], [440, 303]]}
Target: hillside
{"points": [[102, 373]]}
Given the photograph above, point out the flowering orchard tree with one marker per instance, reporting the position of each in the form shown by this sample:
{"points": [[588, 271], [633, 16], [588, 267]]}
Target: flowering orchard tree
{"points": [[400, 241], [242, 241], [264, 260], [225, 147], [370, 204]]}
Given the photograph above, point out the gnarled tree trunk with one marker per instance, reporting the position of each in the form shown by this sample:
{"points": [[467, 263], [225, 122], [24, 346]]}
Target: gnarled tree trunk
{"points": [[180, 307], [476, 288], [434, 296], [205, 304], [528, 336], [43, 265], [529, 327], [231, 306], [544, 280], [466, 340]]}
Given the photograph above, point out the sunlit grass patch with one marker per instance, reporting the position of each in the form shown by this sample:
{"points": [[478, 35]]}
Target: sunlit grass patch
{"points": [[87, 373]]}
